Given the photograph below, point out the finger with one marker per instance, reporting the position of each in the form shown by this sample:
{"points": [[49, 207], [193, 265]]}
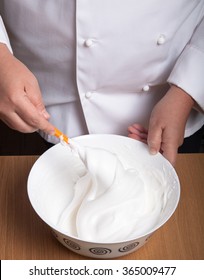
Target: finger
{"points": [[140, 128], [31, 116], [34, 94], [16, 123], [154, 138], [139, 131], [137, 128], [137, 137]]}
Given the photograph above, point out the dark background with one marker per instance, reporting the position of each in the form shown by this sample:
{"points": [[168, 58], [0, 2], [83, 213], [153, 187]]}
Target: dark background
{"points": [[16, 143]]}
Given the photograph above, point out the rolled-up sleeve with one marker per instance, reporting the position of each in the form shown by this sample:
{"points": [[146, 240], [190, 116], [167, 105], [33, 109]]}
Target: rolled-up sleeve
{"points": [[3, 35], [188, 72]]}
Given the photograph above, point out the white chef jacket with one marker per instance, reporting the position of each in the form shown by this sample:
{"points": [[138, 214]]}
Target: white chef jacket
{"points": [[102, 65]]}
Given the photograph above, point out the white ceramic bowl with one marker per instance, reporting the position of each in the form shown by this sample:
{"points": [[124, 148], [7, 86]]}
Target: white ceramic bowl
{"points": [[54, 167]]}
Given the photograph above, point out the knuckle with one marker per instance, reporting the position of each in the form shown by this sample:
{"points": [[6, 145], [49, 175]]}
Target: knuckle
{"points": [[13, 97], [41, 123], [33, 81], [154, 123], [154, 138], [152, 142], [34, 121]]}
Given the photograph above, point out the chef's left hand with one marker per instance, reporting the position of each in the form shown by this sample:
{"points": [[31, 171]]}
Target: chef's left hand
{"points": [[167, 123]]}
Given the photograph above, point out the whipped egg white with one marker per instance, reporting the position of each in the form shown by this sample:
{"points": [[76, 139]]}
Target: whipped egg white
{"points": [[112, 202]]}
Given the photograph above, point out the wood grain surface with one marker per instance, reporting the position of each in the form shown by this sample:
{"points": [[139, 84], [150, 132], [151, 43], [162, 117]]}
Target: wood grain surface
{"points": [[23, 235]]}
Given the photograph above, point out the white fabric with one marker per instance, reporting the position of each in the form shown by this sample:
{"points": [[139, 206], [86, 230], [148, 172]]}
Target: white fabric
{"points": [[3, 35], [103, 64]]}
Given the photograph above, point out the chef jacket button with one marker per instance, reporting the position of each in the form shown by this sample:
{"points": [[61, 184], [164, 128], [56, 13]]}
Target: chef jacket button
{"points": [[88, 94], [161, 39], [146, 88], [88, 43]]}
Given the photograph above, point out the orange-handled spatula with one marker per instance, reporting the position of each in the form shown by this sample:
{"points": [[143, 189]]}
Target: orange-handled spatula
{"points": [[61, 135]]}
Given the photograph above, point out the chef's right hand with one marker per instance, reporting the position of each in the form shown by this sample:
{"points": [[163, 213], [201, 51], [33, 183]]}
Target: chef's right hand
{"points": [[21, 104]]}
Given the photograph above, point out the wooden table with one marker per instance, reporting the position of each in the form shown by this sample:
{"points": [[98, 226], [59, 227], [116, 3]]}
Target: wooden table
{"points": [[23, 235]]}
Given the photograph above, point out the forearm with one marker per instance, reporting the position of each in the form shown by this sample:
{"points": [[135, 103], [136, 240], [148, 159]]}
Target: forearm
{"points": [[180, 99], [187, 72]]}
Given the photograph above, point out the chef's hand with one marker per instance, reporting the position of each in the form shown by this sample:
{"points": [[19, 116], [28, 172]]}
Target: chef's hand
{"points": [[167, 123], [21, 105]]}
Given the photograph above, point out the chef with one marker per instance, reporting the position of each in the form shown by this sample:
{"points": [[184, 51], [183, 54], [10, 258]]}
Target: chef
{"points": [[104, 66]]}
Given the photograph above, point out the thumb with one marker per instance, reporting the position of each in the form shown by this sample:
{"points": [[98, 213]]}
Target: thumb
{"points": [[154, 139], [160, 140]]}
